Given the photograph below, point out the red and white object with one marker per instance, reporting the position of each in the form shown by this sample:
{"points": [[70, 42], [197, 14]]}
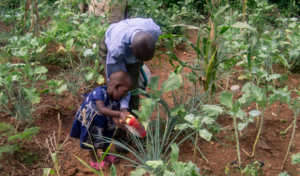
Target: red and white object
{"points": [[135, 127]]}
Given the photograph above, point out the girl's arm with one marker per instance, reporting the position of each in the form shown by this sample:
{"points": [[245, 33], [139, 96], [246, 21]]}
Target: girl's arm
{"points": [[110, 113]]}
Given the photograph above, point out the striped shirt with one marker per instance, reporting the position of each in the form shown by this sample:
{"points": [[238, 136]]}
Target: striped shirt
{"points": [[118, 39]]}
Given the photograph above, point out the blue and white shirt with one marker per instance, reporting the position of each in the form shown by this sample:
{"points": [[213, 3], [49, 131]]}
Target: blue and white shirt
{"points": [[118, 39]]}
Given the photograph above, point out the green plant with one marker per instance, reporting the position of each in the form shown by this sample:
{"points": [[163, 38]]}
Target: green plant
{"points": [[93, 73], [259, 96], [52, 143], [160, 133], [29, 158], [181, 169], [12, 135], [254, 169], [20, 89], [26, 48], [295, 106], [57, 87]]}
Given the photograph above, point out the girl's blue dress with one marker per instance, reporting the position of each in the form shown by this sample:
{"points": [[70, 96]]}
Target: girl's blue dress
{"points": [[97, 124]]}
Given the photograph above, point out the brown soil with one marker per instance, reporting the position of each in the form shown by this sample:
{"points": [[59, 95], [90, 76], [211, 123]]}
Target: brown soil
{"points": [[219, 156]]}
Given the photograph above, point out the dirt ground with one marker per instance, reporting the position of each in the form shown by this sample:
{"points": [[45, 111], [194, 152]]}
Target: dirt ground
{"points": [[219, 156]]}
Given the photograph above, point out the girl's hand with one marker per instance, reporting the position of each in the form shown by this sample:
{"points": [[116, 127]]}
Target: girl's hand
{"points": [[123, 116], [116, 121]]}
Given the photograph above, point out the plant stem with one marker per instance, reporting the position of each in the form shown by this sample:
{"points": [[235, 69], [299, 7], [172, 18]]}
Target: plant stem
{"points": [[279, 108], [237, 141], [288, 128], [257, 117], [195, 149], [258, 134], [292, 138]]}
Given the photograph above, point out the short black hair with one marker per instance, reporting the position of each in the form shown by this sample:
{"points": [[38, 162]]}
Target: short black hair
{"points": [[121, 77], [143, 46]]}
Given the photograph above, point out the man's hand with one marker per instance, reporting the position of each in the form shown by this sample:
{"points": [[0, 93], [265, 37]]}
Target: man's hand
{"points": [[116, 121]]}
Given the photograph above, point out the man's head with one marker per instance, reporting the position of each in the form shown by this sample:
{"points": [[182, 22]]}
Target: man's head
{"points": [[143, 46], [119, 84]]}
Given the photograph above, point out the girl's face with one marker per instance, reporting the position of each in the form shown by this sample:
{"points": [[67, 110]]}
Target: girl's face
{"points": [[120, 91]]}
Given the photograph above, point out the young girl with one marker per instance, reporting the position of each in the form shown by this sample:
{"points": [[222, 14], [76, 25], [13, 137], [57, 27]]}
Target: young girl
{"points": [[102, 112]]}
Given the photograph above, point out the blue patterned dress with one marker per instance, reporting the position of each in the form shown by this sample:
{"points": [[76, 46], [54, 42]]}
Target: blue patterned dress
{"points": [[97, 124]]}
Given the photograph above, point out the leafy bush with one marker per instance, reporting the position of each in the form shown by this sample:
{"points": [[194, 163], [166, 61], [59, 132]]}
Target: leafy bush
{"points": [[9, 131], [18, 84]]}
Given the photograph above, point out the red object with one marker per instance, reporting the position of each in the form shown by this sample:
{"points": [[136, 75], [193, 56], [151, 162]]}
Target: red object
{"points": [[135, 127]]}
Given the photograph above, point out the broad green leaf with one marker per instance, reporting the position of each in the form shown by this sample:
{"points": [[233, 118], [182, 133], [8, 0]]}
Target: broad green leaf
{"points": [[156, 94], [138, 92], [241, 126], [223, 29], [100, 79], [168, 173], [138, 113], [292, 25], [31, 95], [282, 96], [174, 153], [246, 87], [89, 76], [3, 98], [241, 114], [34, 42], [254, 113], [243, 25], [177, 110], [178, 69], [190, 118], [212, 110], [69, 44], [272, 99], [28, 70], [182, 126], [88, 166], [221, 10], [284, 174], [138, 172], [8, 79], [296, 158], [153, 84], [113, 170], [40, 49], [205, 134], [88, 52], [40, 70], [48, 171], [226, 99], [174, 81], [273, 77], [207, 120], [191, 77], [61, 89], [155, 164], [257, 92]]}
